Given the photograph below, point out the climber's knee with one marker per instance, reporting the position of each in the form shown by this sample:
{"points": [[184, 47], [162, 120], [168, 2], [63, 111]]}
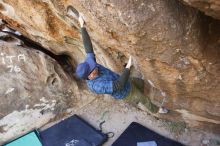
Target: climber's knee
{"points": [[138, 82]]}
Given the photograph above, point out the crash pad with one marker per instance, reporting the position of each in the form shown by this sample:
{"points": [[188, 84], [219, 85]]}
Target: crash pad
{"points": [[72, 131], [29, 139], [136, 134]]}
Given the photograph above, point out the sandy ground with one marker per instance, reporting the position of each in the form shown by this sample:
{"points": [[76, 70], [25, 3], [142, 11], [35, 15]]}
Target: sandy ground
{"points": [[118, 115]]}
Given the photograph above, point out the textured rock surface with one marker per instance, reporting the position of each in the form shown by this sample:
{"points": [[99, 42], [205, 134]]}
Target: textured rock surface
{"points": [[175, 48], [34, 90], [209, 7]]}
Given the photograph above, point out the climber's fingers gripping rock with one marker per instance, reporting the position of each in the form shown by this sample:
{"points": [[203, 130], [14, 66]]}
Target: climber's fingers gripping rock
{"points": [[129, 64]]}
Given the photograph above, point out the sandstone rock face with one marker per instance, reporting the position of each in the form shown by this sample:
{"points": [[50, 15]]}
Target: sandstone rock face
{"points": [[34, 90], [30, 88], [175, 48], [209, 7]]}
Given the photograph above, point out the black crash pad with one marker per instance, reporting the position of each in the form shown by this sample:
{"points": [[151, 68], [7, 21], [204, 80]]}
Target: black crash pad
{"points": [[136, 133], [72, 131]]}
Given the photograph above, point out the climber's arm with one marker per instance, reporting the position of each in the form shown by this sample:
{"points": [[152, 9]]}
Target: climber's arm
{"points": [[86, 40], [120, 83], [85, 37], [122, 80]]}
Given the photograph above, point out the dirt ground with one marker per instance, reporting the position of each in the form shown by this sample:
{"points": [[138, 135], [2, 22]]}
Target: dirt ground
{"points": [[118, 115]]}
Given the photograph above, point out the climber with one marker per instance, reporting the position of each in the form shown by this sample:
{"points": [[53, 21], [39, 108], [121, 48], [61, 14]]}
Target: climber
{"points": [[104, 81]]}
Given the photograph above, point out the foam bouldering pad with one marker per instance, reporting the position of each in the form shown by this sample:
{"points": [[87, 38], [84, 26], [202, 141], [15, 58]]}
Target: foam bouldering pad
{"points": [[72, 131], [83, 143], [29, 139], [136, 134]]}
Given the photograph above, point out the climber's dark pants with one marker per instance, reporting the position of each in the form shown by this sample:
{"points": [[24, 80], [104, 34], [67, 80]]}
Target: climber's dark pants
{"points": [[136, 96]]}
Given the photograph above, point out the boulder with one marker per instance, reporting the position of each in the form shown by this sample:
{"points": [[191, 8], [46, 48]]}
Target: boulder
{"points": [[34, 90], [175, 48], [209, 7]]}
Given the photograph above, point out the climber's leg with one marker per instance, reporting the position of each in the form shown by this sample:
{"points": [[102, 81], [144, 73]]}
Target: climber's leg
{"points": [[138, 82], [136, 98]]}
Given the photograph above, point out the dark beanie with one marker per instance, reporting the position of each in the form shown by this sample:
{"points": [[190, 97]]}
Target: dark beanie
{"points": [[83, 70]]}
